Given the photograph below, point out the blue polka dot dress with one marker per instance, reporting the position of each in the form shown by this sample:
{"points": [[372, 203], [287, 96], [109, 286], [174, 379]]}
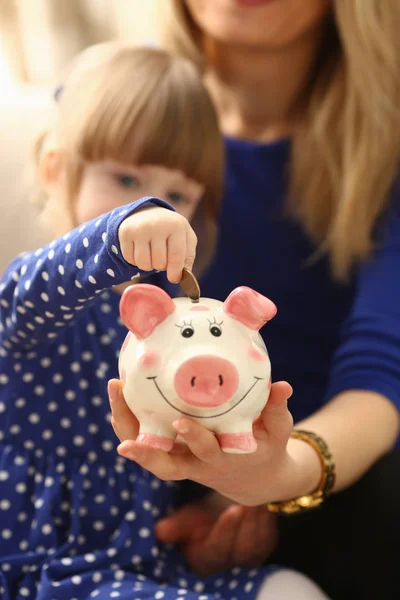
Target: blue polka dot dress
{"points": [[77, 520]]}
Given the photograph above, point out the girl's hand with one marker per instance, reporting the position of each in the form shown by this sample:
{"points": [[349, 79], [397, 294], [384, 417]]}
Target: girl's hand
{"points": [[217, 535], [266, 475], [160, 239]]}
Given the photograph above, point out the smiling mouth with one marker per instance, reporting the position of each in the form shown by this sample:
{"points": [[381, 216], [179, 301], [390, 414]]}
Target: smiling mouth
{"points": [[187, 414]]}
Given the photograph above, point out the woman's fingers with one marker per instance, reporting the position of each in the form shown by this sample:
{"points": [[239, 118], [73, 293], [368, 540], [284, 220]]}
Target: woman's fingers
{"points": [[276, 417], [198, 456], [202, 442], [275, 420], [256, 538], [191, 523], [240, 535], [216, 552], [280, 392], [123, 421], [165, 466]]}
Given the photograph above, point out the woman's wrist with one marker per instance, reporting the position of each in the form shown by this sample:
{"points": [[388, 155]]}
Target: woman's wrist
{"points": [[309, 465], [216, 502], [299, 474], [303, 473]]}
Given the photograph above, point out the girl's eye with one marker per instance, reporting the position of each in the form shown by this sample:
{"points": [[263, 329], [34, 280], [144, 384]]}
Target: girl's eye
{"points": [[176, 197], [128, 181]]}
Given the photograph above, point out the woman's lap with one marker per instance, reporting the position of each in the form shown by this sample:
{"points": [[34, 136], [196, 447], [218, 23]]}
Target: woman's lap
{"points": [[103, 579], [350, 545]]}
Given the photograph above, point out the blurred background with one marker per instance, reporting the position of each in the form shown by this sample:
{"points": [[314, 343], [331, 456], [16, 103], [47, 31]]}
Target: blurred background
{"points": [[37, 39], [39, 36]]}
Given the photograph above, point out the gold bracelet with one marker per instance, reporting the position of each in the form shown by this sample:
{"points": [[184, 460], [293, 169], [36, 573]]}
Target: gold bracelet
{"points": [[326, 483]]}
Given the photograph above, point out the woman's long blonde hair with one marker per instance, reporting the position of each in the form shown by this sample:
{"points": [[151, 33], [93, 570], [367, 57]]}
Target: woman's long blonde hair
{"points": [[346, 150], [137, 106]]}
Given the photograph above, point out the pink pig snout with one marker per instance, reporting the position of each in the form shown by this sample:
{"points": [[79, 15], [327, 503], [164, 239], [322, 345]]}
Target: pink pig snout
{"points": [[206, 381]]}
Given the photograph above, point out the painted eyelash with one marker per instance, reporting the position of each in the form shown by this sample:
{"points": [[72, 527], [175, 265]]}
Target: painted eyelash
{"points": [[215, 322], [184, 324]]}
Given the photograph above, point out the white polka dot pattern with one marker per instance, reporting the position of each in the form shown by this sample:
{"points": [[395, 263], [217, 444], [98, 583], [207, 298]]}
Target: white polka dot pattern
{"points": [[35, 292], [75, 516]]}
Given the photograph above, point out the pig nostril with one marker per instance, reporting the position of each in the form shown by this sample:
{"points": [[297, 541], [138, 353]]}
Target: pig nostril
{"points": [[193, 380], [206, 381]]}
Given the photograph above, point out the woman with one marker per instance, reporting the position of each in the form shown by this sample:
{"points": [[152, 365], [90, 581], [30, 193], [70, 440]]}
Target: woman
{"points": [[308, 95]]}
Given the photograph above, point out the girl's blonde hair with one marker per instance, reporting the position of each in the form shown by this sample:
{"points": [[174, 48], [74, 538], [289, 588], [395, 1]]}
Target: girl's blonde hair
{"points": [[137, 106], [346, 149]]}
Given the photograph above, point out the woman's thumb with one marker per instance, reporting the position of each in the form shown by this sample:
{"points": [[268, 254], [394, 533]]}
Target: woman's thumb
{"points": [[178, 527], [276, 417]]}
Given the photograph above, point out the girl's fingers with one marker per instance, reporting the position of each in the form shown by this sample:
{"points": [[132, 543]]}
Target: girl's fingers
{"points": [[142, 255], [128, 251], [176, 255], [191, 244], [158, 250], [123, 421]]}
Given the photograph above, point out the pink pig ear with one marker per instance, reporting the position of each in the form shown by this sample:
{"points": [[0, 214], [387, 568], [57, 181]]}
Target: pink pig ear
{"points": [[249, 307], [143, 307]]}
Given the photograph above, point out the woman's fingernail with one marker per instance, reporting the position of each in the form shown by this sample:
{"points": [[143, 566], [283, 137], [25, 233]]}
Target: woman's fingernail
{"points": [[235, 511], [126, 453], [180, 427], [112, 393]]}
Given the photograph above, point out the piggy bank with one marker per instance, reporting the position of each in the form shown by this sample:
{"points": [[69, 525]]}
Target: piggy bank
{"points": [[203, 360]]}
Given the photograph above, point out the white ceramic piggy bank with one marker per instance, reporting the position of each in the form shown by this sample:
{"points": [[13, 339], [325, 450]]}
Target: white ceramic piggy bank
{"points": [[204, 360]]}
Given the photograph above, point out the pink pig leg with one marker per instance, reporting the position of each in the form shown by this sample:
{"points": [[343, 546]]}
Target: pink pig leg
{"points": [[156, 436], [238, 442]]}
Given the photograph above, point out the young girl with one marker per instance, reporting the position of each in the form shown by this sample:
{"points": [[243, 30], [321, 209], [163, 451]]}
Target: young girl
{"points": [[76, 521], [129, 124]]}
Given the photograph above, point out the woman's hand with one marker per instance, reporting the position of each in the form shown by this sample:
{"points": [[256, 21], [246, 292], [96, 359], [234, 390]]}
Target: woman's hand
{"points": [[157, 238], [215, 534], [266, 475], [123, 421]]}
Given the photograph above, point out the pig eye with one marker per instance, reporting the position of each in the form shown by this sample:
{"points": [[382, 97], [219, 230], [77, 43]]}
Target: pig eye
{"points": [[215, 330], [187, 331], [215, 327]]}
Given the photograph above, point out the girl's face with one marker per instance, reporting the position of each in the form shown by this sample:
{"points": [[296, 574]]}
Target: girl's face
{"points": [[258, 23], [107, 185]]}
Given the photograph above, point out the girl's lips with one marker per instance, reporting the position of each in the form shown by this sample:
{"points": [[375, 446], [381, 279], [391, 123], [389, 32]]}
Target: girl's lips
{"points": [[253, 2]]}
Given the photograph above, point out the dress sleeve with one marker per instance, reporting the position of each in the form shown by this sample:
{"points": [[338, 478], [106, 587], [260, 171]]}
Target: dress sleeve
{"points": [[368, 357], [43, 291]]}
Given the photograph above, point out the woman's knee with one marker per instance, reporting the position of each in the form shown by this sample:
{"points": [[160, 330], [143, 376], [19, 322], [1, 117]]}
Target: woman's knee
{"points": [[291, 585]]}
